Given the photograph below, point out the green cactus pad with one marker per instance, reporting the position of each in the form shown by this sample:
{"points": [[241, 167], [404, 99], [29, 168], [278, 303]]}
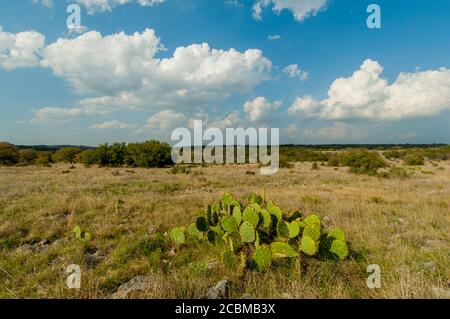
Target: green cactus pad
{"points": [[230, 260], [266, 219], [254, 198], [177, 235], [202, 224], [283, 229], [308, 246], [77, 232], [247, 232], [194, 231], [312, 231], [339, 248], [262, 257], [251, 216], [312, 220], [275, 210], [229, 224], [294, 229], [282, 250], [295, 216], [337, 233], [237, 215]]}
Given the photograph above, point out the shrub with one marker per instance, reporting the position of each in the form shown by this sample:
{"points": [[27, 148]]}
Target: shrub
{"points": [[88, 158], [27, 156], [9, 154], [43, 159], [66, 155], [362, 162], [149, 154], [256, 235], [414, 160]]}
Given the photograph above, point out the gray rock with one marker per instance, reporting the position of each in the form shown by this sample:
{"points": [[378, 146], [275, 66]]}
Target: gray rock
{"points": [[430, 265], [247, 296], [219, 291], [138, 283], [93, 260]]}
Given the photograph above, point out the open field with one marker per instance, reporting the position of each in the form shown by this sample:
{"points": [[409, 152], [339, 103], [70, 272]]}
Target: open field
{"points": [[403, 225]]}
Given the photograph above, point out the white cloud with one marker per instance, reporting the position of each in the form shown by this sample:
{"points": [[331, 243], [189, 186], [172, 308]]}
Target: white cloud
{"points": [[366, 95], [301, 9], [293, 71], [110, 125], [60, 114], [104, 65], [274, 37], [163, 122], [19, 50], [260, 109], [94, 6], [338, 131], [126, 64]]}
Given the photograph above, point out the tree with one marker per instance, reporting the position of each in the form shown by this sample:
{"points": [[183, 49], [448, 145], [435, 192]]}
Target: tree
{"points": [[149, 154], [88, 157], [66, 154], [9, 154], [116, 154], [27, 156]]}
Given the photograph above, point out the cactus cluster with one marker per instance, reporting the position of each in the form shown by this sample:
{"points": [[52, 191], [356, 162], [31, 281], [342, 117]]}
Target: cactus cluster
{"points": [[260, 233]]}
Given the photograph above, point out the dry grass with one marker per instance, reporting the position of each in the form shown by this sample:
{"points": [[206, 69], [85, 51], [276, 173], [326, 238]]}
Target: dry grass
{"points": [[402, 225]]}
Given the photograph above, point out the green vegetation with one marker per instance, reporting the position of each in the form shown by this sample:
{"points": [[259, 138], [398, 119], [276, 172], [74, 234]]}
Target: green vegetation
{"points": [[262, 234]]}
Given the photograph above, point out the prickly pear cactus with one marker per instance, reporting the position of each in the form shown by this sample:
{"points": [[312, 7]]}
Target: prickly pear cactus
{"points": [[255, 235], [177, 235]]}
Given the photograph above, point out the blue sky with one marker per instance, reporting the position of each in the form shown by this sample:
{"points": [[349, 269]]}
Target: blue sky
{"points": [[309, 67]]}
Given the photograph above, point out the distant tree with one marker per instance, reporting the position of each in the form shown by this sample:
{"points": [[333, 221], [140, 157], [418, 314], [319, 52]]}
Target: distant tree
{"points": [[88, 158], [9, 154], [27, 156], [116, 154], [43, 159], [66, 154], [149, 154]]}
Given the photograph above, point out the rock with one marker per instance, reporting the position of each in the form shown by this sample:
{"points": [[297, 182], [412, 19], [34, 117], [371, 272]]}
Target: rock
{"points": [[247, 296], [430, 265], [286, 295], [136, 284], [93, 260], [219, 291]]}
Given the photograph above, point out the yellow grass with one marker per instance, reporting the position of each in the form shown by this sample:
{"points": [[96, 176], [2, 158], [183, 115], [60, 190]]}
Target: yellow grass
{"points": [[401, 225]]}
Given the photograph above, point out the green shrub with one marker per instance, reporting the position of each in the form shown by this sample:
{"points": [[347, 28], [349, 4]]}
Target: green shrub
{"points": [[362, 162], [66, 155], [260, 232], [149, 154], [9, 154], [414, 160]]}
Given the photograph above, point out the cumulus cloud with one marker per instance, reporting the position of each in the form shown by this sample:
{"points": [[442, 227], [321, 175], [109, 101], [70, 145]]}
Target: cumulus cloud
{"points": [[293, 71], [163, 122], [94, 6], [260, 109], [301, 9], [110, 125], [19, 50], [367, 95], [62, 114], [121, 64]]}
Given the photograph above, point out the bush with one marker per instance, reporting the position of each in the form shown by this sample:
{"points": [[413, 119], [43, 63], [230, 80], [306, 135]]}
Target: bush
{"points": [[414, 160], [27, 157], [43, 159], [9, 154], [87, 158], [362, 162], [66, 155], [149, 154]]}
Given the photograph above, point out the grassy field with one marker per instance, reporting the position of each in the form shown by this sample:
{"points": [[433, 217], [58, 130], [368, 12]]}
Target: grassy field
{"points": [[403, 225]]}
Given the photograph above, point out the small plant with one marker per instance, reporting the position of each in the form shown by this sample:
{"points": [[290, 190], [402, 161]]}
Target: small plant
{"points": [[414, 160], [255, 235], [81, 235], [315, 166]]}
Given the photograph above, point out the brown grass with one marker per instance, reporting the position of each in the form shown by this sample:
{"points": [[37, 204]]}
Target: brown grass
{"points": [[402, 225]]}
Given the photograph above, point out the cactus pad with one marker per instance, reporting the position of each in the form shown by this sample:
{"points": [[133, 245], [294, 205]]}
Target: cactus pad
{"points": [[247, 232], [262, 258], [339, 248], [177, 235], [282, 250], [308, 246]]}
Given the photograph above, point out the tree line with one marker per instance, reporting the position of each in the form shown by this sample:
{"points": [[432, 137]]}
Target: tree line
{"points": [[146, 154]]}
